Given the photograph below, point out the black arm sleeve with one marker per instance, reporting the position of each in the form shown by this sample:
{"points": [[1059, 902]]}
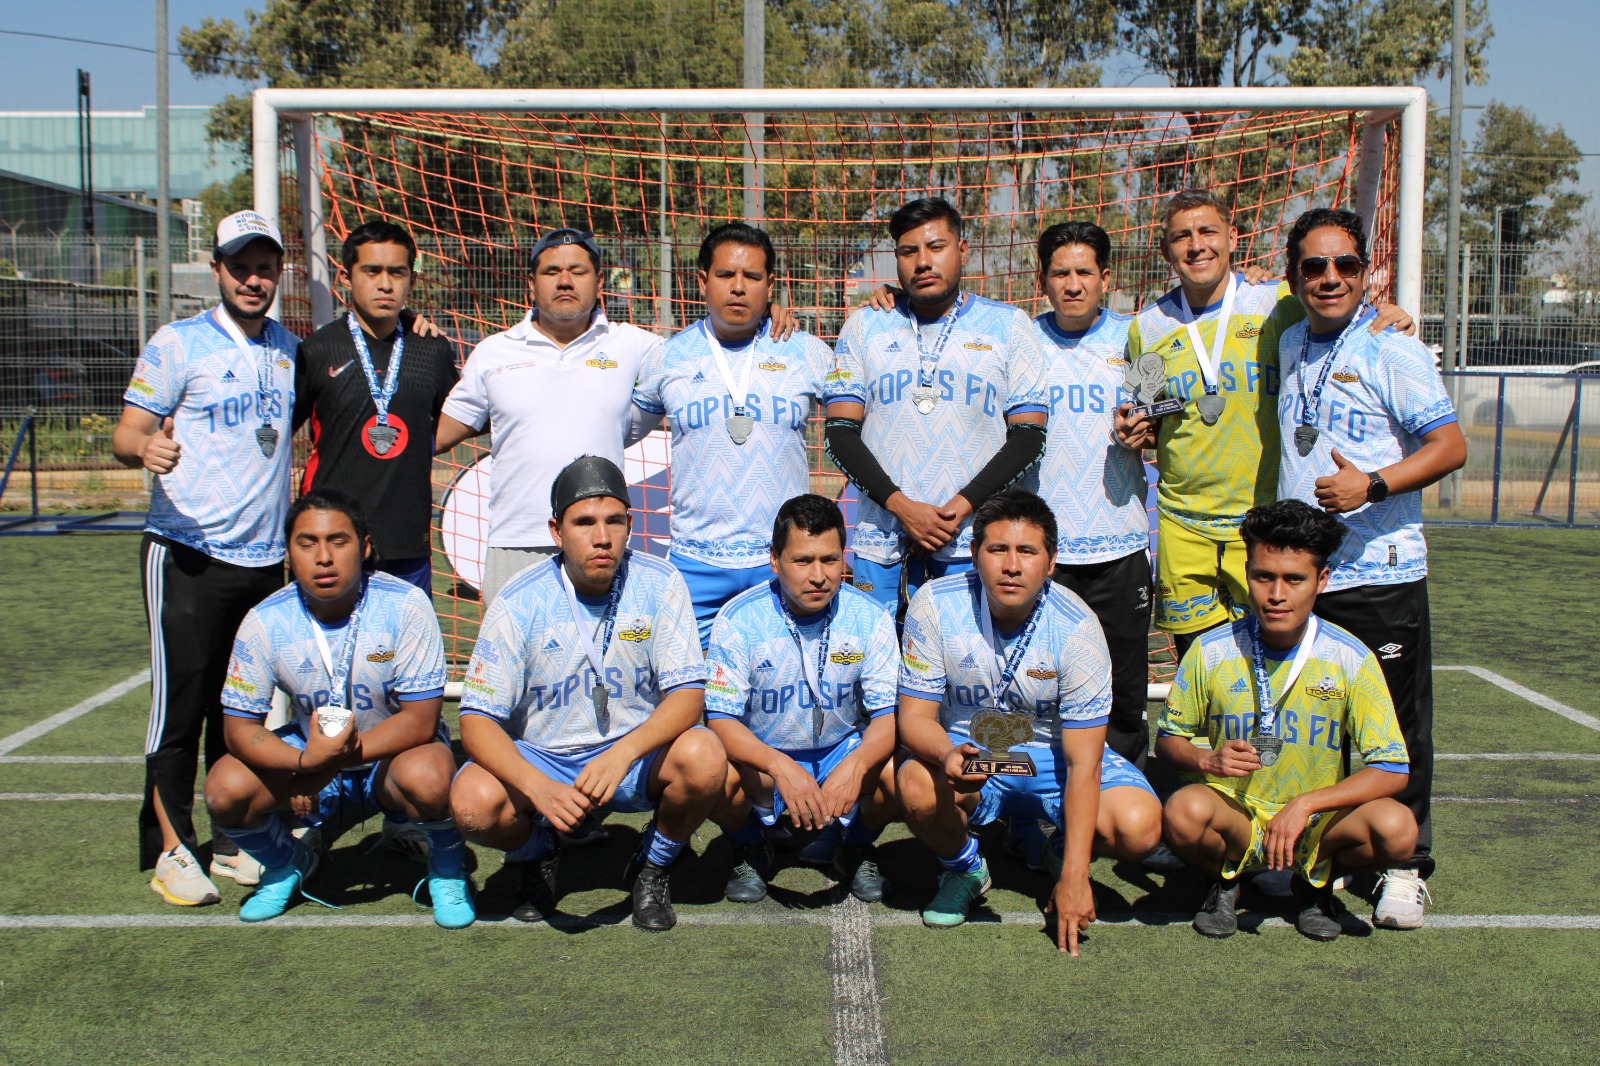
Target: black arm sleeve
{"points": [[841, 439], [1023, 448]]}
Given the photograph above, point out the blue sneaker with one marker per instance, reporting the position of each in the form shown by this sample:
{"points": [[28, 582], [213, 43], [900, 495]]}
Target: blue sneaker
{"points": [[278, 886], [452, 899], [1025, 841]]}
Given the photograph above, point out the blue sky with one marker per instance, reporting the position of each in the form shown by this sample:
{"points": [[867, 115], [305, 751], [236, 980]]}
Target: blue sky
{"points": [[1542, 57]]}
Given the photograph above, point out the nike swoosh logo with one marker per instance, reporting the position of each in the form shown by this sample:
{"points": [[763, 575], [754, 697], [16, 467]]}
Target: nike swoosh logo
{"points": [[332, 373]]}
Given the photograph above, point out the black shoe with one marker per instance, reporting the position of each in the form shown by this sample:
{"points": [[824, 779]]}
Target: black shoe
{"points": [[537, 896], [1219, 915], [591, 830], [652, 899], [858, 864], [1317, 911], [748, 882]]}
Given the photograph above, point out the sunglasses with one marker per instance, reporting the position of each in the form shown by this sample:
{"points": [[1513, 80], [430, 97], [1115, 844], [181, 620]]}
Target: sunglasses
{"points": [[1313, 267]]}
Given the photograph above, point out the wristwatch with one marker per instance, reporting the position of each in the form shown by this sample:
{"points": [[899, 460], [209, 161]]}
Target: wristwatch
{"points": [[1377, 488]]}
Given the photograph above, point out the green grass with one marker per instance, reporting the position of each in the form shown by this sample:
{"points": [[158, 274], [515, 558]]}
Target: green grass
{"points": [[1146, 989]]}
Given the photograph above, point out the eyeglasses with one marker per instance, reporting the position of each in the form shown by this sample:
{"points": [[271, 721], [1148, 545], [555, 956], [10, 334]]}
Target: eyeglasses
{"points": [[1313, 267]]}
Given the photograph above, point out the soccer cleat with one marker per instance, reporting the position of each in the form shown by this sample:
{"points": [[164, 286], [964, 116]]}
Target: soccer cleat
{"points": [[406, 838], [452, 899], [239, 867], [958, 891], [1163, 860], [1317, 911], [652, 899], [591, 830], [858, 864], [1025, 841], [1402, 897], [536, 900], [824, 849], [748, 882], [1219, 914], [278, 886], [180, 881]]}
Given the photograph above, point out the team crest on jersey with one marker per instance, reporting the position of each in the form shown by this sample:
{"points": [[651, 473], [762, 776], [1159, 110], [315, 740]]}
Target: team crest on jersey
{"points": [[636, 631], [977, 347], [1247, 332], [1042, 672], [846, 656], [1326, 689], [1116, 360], [864, 586], [601, 363], [1345, 376], [773, 367], [284, 364], [382, 655]]}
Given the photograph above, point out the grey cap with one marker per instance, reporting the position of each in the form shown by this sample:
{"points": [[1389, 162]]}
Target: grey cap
{"points": [[584, 478], [557, 237]]}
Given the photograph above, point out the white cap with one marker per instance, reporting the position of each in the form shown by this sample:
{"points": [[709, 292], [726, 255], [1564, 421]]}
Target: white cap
{"points": [[242, 227]]}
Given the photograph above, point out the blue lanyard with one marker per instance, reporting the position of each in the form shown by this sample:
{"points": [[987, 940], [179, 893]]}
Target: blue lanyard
{"points": [[1267, 719], [1310, 406], [595, 654], [1013, 659], [338, 670], [928, 362], [381, 396], [813, 672]]}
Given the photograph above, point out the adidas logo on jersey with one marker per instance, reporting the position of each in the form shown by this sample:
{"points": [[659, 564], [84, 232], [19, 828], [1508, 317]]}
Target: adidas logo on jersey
{"points": [[305, 667], [698, 378], [552, 645], [228, 376], [1239, 686], [969, 663], [1177, 344], [893, 346], [765, 664]]}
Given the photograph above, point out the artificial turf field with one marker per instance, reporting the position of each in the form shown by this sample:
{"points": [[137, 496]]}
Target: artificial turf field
{"points": [[95, 967]]}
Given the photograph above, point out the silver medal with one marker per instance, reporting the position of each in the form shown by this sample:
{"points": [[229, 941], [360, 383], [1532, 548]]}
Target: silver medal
{"points": [[267, 439], [925, 397], [1211, 405], [382, 437], [1267, 748], [740, 426], [602, 716], [1305, 438]]}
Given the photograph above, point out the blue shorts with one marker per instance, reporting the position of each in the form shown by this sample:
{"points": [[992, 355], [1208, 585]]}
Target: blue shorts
{"points": [[819, 763], [710, 587], [881, 581], [353, 791], [1040, 796], [418, 572], [632, 792]]}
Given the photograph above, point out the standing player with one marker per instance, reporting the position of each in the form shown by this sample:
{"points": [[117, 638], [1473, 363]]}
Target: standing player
{"points": [[208, 413], [931, 408], [1004, 639], [555, 386], [363, 663], [802, 694], [737, 402], [1367, 424], [584, 693], [1278, 695], [372, 389]]}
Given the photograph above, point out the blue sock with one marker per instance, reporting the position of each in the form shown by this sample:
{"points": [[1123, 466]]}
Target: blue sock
{"points": [[658, 849], [532, 850], [270, 843], [748, 834], [964, 861], [857, 833], [446, 850]]}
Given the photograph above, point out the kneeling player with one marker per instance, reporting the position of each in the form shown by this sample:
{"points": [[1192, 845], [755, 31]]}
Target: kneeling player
{"points": [[1002, 648], [797, 666], [583, 694], [362, 661], [1278, 694]]}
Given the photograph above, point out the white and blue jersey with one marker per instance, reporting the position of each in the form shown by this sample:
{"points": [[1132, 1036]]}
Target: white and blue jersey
{"points": [[530, 672], [990, 368], [724, 495], [224, 498], [1063, 679], [398, 656], [1095, 487], [1380, 396], [755, 673]]}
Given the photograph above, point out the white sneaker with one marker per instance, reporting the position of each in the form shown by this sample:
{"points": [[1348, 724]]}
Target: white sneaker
{"points": [[241, 868], [179, 880], [1403, 894], [405, 838]]}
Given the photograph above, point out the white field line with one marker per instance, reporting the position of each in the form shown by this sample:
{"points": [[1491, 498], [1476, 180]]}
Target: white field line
{"points": [[39, 729], [56, 797], [75, 760], [1538, 699], [722, 919], [857, 1021]]}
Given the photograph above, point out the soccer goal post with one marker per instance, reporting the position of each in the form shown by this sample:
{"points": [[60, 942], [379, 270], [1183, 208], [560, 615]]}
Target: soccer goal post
{"points": [[476, 175]]}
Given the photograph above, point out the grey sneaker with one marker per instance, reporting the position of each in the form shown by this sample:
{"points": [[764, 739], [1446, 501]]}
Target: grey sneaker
{"points": [[1317, 911], [748, 882], [858, 865], [1163, 860], [1219, 914]]}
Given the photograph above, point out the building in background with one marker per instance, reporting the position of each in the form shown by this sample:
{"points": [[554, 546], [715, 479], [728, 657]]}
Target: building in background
{"points": [[44, 145]]}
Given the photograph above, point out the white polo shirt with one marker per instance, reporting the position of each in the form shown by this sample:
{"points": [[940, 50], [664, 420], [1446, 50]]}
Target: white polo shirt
{"points": [[546, 405]]}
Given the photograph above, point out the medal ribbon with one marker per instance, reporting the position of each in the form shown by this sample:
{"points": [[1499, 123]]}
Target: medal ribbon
{"points": [[1209, 361], [813, 671], [1310, 406], [928, 362], [260, 354], [338, 674], [381, 397], [738, 388], [1006, 664], [1267, 719], [596, 654]]}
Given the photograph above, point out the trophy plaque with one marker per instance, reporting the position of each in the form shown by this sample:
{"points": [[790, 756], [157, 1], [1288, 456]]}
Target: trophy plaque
{"points": [[996, 732]]}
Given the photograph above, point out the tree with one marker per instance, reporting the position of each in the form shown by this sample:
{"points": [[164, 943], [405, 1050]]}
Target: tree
{"points": [[1576, 266]]}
